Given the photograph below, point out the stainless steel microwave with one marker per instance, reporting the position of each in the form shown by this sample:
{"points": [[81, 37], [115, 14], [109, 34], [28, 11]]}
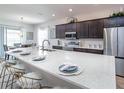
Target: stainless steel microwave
{"points": [[70, 35]]}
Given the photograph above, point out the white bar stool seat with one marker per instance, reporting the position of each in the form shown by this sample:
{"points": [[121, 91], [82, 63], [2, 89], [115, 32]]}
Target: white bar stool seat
{"points": [[30, 80]]}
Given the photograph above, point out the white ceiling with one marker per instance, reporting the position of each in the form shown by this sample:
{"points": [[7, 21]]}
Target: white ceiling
{"points": [[40, 13]]}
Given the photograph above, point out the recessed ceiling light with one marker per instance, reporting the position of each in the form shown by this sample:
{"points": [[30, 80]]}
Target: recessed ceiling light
{"points": [[53, 14], [70, 10]]}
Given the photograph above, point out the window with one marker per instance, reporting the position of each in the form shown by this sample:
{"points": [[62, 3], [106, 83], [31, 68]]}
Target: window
{"points": [[13, 36], [42, 34]]}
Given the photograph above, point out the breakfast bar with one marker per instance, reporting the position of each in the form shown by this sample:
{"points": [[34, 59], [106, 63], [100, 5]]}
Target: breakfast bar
{"points": [[97, 71]]}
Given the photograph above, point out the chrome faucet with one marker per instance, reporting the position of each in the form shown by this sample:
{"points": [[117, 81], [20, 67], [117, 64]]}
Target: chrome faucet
{"points": [[43, 43]]}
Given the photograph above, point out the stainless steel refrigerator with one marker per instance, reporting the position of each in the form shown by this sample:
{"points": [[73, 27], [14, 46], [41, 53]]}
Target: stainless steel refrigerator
{"points": [[114, 45]]}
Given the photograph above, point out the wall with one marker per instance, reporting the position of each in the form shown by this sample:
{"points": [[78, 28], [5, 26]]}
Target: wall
{"points": [[26, 28], [80, 17]]}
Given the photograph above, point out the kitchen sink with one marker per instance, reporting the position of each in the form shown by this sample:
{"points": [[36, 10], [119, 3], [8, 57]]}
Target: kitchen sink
{"points": [[49, 50]]}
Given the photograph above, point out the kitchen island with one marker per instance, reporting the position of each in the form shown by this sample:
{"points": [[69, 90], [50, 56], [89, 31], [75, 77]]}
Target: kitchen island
{"points": [[98, 71]]}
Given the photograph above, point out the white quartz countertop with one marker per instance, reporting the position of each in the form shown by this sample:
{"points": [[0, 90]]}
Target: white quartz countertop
{"points": [[98, 70]]}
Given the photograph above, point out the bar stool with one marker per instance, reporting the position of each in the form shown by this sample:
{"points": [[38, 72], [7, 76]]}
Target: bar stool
{"points": [[31, 80], [3, 62], [1, 66], [3, 69], [26, 81], [15, 71]]}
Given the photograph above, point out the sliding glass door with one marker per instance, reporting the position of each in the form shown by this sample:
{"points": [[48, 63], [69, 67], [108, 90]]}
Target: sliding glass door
{"points": [[1, 41], [13, 36], [9, 36]]}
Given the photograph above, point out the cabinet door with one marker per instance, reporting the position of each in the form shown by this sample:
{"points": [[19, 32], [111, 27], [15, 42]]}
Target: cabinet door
{"points": [[110, 22], [100, 28], [96, 29], [80, 50], [70, 27], [95, 51], [88, 50], [92, 29], [120, 21], [60, 31], [82, 29], [57, 47]]}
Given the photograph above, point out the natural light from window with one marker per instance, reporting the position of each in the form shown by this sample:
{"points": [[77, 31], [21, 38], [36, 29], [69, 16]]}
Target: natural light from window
{"points": [[13, 36], [42, 34]]}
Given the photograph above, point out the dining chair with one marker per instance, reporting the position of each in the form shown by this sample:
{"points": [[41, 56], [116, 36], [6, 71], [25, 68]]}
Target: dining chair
{"points": [[6, 49], [17, 45]]}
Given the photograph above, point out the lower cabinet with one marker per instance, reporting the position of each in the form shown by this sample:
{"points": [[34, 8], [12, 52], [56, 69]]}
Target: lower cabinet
{"points": [[95, 51], [57, 47]]}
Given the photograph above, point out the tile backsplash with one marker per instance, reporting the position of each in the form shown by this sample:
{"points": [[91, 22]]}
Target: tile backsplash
{"points": [[84, 43], [91, 43]]}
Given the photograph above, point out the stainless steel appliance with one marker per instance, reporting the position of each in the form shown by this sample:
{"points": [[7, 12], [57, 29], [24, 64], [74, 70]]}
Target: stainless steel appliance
{"points": [[114, 45], [70, 45], [70, 35]]}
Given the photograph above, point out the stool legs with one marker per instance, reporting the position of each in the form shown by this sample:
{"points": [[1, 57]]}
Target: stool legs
{"points": [[4, 72], [8, 81], [1, 72]]}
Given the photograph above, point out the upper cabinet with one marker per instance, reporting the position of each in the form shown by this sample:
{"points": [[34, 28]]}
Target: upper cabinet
{"points": [[71, 27], [96, 28], [100, 28], [60, 31], [82, 30], [113, 22], [120, 21], [110, 22], [90, 28], [93, 29]]}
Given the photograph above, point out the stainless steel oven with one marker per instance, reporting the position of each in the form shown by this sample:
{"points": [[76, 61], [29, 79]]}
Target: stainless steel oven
{"points": [[70, 35]]}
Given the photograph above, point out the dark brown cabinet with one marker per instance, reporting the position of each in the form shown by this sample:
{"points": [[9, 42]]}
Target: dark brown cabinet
{"points": [[71, 27], [114, 22], [57, 47], [82, 30], [90, 28], [110, 22], [120, 21], [95, 51], [60, 31], [100, 28], [96, 28]]}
